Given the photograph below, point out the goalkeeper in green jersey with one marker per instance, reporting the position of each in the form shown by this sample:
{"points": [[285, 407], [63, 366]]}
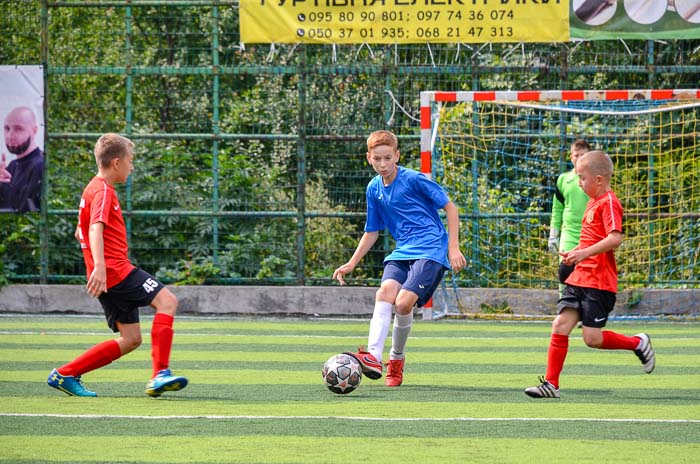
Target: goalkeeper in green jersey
{"points": [[568, 205]]}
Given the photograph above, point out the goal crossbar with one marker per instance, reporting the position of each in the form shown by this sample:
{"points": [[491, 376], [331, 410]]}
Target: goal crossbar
{"points": [[429, 97]]}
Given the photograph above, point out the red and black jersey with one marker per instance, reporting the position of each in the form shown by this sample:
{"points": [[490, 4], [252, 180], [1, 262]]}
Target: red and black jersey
{"points": [[602, 216], [100, 203]]}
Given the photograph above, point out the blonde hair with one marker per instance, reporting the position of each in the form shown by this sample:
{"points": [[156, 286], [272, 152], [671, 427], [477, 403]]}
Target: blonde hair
{"points": [[597, 162], [382, 137], [111, 146]]}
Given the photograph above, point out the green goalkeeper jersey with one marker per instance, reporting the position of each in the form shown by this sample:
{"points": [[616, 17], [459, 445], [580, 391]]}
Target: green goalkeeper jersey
{"points": [[568, 207]]}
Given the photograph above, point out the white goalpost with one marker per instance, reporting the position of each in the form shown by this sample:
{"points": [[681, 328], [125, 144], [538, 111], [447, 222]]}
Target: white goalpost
{"points": [[498, 154]]}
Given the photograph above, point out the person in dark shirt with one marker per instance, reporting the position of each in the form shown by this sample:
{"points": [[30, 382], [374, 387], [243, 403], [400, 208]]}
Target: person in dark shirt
{"points": [[20, 181]]}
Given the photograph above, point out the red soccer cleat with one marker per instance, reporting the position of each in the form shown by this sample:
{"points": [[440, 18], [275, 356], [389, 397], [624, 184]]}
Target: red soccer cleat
{"points": [[394, 373], [370, 366]]}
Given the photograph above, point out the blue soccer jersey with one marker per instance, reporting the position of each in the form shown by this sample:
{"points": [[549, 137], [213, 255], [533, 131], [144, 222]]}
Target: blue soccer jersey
{"points": [[408, 207]]}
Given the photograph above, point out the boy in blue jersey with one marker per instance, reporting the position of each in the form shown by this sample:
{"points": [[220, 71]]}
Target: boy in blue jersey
{"points": [[407, 203]]}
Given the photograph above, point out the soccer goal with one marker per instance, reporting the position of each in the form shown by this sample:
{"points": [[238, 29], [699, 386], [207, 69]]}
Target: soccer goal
{"points": [[498, 155]]}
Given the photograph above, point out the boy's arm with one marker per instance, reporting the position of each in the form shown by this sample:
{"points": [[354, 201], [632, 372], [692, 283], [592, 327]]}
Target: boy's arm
{"points": [[575, 256], [557, 208], [97, 282], [556, 220], [457, 260], [366, 242]]}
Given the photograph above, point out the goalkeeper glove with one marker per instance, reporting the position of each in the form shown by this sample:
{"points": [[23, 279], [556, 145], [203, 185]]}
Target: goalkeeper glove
{"points": [[553, 242]]}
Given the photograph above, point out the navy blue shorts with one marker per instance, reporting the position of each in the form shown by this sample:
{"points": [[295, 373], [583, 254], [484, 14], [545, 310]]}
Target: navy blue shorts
{"points": [[121, 303], [593, 305], [420, 276]]}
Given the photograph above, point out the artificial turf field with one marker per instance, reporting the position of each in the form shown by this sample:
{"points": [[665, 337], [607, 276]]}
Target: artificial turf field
{"points": [[255, 395]]}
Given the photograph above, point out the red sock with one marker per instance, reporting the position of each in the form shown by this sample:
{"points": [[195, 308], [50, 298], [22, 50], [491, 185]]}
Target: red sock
{"points": [[558, 348], [98, 356], [161, 341], [616, 341]]}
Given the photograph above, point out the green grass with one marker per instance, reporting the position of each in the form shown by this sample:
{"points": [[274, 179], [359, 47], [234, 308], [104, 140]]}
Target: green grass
{"points": [[256, 395]]}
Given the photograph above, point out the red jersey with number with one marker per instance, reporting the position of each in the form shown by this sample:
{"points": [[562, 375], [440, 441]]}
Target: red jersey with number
{"points": [[99, 203], [603, 215]]}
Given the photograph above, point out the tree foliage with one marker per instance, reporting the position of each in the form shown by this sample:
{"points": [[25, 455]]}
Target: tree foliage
{"points": [[238, 143]]}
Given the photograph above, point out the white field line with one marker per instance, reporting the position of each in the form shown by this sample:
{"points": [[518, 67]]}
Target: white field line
{"points": [[275, 335], [359, 418], [278, 335]]}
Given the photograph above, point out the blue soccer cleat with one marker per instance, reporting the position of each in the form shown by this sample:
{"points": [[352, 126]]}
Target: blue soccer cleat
{"points": [[72, 386], [165, 381]]}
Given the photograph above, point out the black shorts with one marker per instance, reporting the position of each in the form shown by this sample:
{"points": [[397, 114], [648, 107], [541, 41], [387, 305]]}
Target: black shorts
{"points": [[420, 276], [565, 271], [121, 303], [593, 305]]}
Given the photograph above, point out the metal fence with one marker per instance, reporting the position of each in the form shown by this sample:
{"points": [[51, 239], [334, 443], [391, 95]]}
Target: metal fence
{"points": [[250, 158]]}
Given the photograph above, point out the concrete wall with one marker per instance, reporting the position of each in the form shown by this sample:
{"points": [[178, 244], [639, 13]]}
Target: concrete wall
{"points": [[639, 302], [246, 300], [340, 301]]}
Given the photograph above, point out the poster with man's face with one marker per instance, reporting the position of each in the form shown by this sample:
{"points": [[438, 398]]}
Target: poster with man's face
{"points": [[21, 138]]}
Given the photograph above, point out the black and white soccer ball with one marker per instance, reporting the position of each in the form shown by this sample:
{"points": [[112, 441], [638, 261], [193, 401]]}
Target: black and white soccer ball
{"points": [[342, 374]]}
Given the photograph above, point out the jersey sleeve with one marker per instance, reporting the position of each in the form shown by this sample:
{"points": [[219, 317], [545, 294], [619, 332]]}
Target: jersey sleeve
{"points": [[373, 222], [557, 207], [100, 206], [432, 192], [612, 215]]}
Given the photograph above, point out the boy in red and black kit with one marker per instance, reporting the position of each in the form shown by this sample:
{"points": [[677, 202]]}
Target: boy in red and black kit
{"points": [[590, 292], [120, 286]]}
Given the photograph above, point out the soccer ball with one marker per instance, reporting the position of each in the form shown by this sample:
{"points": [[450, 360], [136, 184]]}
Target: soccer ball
{"points": [[342, 374]]}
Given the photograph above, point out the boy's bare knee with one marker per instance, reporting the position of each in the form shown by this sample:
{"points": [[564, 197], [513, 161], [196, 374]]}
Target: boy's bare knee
{"points": [[135, 343], [405, 301], [379, 294], [565, 322], [593, 340], [165, 302], [385, 294], [560, 326], [129, 343], [403, 309]]}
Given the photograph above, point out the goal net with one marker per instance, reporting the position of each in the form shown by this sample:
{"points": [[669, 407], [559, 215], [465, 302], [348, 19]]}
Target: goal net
{"points": [[498, 155]]}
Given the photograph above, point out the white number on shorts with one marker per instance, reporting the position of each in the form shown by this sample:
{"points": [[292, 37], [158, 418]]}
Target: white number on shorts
{"points": [[150, 285]]}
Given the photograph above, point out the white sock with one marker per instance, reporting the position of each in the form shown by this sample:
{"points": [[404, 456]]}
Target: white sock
{"points": [[379, 328], [402, 327]]}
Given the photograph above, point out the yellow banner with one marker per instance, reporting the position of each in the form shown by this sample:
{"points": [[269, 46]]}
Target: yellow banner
{"points": [[403, 21]]}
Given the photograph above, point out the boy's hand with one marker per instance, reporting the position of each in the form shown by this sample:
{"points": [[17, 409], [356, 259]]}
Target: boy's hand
{"points": [[339, 273], [97, 283], [457, 259], [573, 257], [553, 242]]}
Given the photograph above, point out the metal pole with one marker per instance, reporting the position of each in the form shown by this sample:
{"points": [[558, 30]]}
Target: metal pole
{"points": [[128, 116], [216, 130], [44, 211], [301, 171]]}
